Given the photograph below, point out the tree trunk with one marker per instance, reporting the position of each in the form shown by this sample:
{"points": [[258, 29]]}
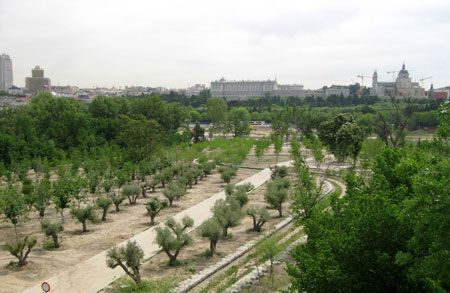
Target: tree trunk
{"points": [[62, 216], [84, 226], [55, 241], [280, 211], [117, 207], [212, 246], [225, 231], [105, 210], [152, 220], [41, 213]]}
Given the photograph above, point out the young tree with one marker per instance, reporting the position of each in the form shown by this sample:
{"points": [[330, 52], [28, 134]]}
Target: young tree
{"points": [[165, 176], [227, 213], [62, 195], [83, 215], [117, 199], [198, 133], [154, 206], [155, 181], [129, 258], [278, 145], [259, 217], [240, 120], [43, 196], [279, 172], [212, 230], [173, 237], [174, 191], [131, 191], [277, 193], [12, 205], [20, 248], [51, 230], [269, 248], [217, 113], [104, 203]]}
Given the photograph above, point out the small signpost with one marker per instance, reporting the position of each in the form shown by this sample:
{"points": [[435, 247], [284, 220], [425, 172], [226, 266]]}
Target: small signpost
{"points": [[45, 287]]}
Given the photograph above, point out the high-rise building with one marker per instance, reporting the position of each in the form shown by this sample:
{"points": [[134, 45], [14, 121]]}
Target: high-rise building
{"points": [[37, 82], [6, 72]]}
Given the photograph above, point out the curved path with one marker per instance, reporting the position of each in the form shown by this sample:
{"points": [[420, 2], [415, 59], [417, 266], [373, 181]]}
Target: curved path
{"points": [[93, 275]]}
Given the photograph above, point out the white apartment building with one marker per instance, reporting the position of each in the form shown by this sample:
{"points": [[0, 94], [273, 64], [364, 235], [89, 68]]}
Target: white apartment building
{"points": [[6, 72]]}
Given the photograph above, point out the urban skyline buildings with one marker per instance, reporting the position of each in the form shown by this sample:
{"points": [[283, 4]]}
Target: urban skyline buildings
{"points": [[6, 72], [37, 82]]}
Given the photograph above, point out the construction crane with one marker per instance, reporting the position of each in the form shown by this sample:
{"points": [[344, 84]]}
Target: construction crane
{"points": [[425, 78], [362, 78], [393, 74]]}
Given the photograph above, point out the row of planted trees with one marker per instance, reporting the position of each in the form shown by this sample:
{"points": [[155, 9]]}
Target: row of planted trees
{"points": [[84, 189], [173, 236]]}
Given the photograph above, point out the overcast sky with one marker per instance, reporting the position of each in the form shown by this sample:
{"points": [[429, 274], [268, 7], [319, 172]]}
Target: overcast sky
{"points": [[177, 43]]}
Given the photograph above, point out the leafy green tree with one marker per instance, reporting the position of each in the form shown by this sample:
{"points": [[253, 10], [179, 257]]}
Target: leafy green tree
{"points": [[227, 213], [104, 203], [129, 258], [83, 215], [12, 205], [172, 238], [174, 191], [131, 191], [154, 206], [43, 196], [269, 249], [62, 195], [279, 172], [212, 230], [155, 181], [443, 130], [165, 176], [51, 230], [198, 133], [240, 121], [21, 248], [217, 113], [278, 145], [277, 193], [259, 216]]}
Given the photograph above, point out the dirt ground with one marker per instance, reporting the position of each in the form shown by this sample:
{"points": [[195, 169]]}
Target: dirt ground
{"points": [[77, 246]]}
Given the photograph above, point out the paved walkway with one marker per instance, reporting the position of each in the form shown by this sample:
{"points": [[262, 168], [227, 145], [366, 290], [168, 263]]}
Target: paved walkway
{"points": [[93, 275]]}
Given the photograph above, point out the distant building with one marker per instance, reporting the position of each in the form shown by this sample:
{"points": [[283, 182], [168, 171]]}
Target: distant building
{"points": [[65, 91], [6, 72], [195, 90], [14, 91], [37, 82], [402, 87], [242, 90], [441, 93]]}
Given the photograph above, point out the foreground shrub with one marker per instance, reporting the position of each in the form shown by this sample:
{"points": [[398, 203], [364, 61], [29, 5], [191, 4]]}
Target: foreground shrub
{"points": [[129, 258], [20, 248]]}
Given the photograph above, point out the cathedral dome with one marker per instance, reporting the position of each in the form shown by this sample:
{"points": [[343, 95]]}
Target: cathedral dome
{"points": [[403, 72]]}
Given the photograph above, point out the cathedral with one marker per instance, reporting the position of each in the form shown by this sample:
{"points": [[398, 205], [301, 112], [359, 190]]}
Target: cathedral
{"points": [[401, 87]]}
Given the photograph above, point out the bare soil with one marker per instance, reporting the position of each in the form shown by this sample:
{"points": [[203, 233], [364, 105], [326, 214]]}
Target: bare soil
{"points": [[132, 219]]}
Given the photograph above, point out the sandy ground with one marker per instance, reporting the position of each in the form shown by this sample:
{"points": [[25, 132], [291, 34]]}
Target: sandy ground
{"points": [[77, 247]]}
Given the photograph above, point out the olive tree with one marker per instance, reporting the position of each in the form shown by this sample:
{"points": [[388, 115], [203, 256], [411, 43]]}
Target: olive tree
{"points": [[51, 230], [20, 248], [172, 238], [227, 213], [84, 214], [131, 191], [117, 199], [43, 197], [12, 205], [129, 258], [259, 216], [212, 230], [154, 206], [104, 203], [277, 193], [174, 191]]}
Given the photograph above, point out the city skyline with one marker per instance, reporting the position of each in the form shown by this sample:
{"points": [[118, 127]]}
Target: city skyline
{"points": [[176, 44]]}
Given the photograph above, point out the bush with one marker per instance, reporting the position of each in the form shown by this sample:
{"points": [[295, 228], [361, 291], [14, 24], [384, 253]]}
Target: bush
{"points": [[132, 192], [83, 215], [259, 216], [129, 258], [212, 230], [238, 192], [279, 172], [173, 237], [104, 203], [20, 249], [117, 199], [154, 206], [51, 230]]}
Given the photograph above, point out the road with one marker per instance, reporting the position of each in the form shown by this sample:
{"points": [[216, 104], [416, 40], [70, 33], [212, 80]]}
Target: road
{"points": [[93, 275]]}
